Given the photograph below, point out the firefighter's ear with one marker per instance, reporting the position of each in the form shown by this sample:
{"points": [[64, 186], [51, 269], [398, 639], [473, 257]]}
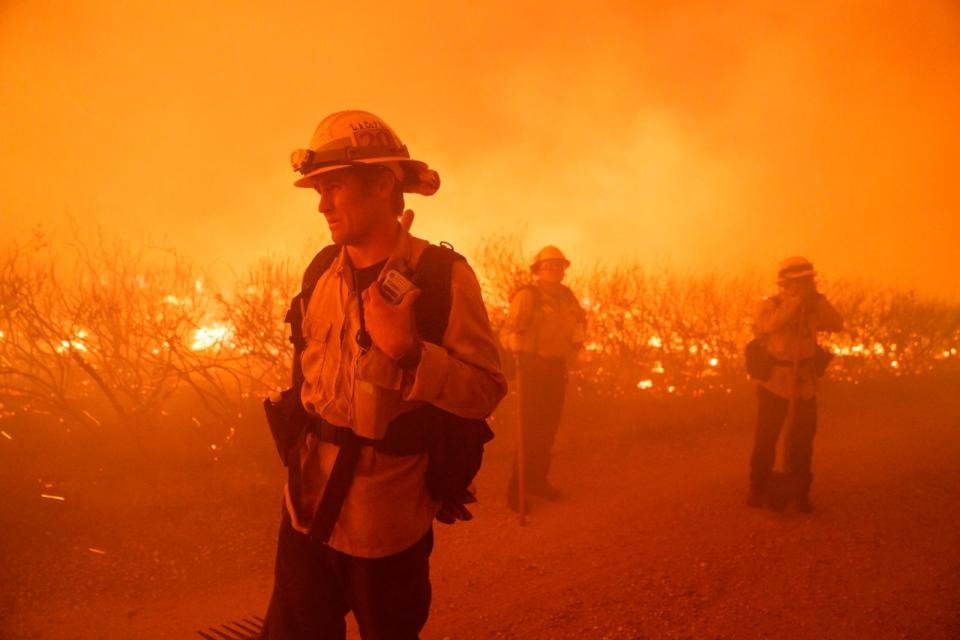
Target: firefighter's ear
{"points": [[386, 182]]}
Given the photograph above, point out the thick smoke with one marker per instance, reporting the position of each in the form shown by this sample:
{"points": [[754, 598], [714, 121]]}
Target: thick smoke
{"points": [[708, 137]]}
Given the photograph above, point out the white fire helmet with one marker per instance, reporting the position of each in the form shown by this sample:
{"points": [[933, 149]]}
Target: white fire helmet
{"points": [[793, 268], [347, 138], [549, 253]]}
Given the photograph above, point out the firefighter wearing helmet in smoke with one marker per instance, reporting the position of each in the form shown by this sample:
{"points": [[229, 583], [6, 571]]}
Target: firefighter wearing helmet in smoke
{"points": [[544, 330], [394, 360], [790, 363]]}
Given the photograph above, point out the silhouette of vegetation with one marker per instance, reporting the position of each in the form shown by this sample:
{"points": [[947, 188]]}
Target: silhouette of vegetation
{"points": [[100, 332]]}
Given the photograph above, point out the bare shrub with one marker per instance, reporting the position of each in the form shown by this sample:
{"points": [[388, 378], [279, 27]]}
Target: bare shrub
{"points": [[502, 270], [37, 368], [255, 311], [891, 333], [96, 331], [660, 331], [663, 331]]}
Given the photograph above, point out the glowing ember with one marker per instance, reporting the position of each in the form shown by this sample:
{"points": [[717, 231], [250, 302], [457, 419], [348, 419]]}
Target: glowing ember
{"points": [[6, 435], [99, 552], [714, 362], [75, 343], [645, 384], [211, 336], [51, 497]]}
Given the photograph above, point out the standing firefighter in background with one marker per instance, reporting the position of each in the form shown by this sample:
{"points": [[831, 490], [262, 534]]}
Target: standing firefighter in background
{"points": [[787, 363], [544, 330], [395, 371]]}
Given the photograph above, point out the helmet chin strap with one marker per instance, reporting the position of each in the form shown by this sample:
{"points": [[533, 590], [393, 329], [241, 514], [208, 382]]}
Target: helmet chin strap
{"points": [[406, 219]]}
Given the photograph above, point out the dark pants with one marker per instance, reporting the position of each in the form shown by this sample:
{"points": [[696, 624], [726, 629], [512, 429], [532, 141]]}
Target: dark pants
{"points": [[543, 384], [315, 587], [771, 412]]}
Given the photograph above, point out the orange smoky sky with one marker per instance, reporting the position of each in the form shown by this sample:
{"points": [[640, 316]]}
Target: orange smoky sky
{"points": [[704, 135]]}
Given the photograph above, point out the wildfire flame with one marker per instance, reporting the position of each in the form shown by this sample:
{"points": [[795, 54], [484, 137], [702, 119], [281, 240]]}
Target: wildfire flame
{"points": [[75, 342], [211, 336]]}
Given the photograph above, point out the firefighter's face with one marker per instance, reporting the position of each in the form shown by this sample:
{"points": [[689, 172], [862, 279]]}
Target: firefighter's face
{"points": [[798, 286], [552, 271], [352, 207]]}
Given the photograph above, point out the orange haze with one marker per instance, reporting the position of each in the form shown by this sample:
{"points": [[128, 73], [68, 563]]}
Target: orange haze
{"points": [[685, 133]]}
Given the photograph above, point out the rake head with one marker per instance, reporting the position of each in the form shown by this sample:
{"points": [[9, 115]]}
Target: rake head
{"points": [[245, 629]]}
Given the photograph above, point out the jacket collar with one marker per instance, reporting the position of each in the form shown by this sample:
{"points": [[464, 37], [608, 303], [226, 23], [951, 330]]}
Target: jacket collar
{"points": [[401, 258]]}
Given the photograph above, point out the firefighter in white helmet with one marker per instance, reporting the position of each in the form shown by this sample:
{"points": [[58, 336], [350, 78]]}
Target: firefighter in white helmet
{"points": [[394, 356], [786, 326], [544, 330]]}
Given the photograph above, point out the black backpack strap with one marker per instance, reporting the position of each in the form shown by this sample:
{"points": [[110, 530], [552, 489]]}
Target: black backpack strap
{"points": [[318, 266], [298, 306], [454, 444], [336, 489], [433, 276]]}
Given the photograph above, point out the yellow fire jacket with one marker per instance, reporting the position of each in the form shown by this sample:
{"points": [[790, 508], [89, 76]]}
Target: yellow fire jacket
{"points": [[790, 325], [387, 508], [544, 319]]}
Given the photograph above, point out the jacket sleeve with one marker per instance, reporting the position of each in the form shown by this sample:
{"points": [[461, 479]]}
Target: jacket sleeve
{"points": [[773, 314], [462, 375], [828, 318], [519, 319]]}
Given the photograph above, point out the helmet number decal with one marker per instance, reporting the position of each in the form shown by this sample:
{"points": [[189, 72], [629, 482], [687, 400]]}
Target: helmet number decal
{"points": [[374, 138]]}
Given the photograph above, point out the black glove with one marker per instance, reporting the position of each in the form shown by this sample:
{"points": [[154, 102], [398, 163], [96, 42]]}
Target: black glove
{"points": [[453, 510]]}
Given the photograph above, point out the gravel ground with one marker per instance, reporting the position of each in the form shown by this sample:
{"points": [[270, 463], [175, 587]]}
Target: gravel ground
{"points": [[653, 539]]}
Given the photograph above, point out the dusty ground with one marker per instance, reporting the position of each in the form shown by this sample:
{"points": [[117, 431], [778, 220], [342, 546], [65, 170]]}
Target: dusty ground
{"points": [[653, 540]]}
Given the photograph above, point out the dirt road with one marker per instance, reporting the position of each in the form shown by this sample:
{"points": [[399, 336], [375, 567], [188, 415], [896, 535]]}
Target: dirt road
{"points": [[653, 540]]}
